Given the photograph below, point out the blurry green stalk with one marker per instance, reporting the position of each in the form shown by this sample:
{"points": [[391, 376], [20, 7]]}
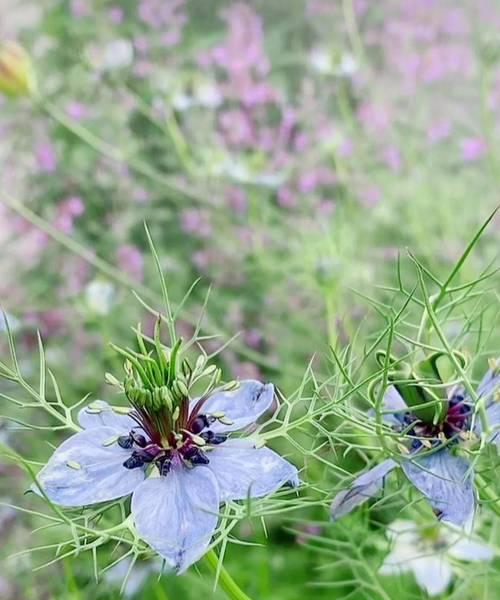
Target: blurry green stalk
{"points": [[225, 580]]}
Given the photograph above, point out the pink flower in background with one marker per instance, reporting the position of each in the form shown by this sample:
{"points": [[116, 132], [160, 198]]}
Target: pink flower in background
{"points": [[76, 110], [242, 57], [374, 118], [370, 196], [246, 370], [45, 155], [67, 211], [196, 221], [142, 68], [131, 261], [48, 322], [392, 158], [116, 14], [326, 208], [286, 197], [141, 44], [80, 8], [253, 338], [346, 148], [167, 17], [140, 194], [237, 127], [237, 200], [314, 178], [306, 531], [438, 132], [473, 149], [75, 273]]}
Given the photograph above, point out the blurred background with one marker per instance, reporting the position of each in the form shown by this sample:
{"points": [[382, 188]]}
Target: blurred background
{"points": [[284, 152]]}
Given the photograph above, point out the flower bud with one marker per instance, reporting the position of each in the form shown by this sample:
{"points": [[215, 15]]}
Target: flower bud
{"points": [[17, 76]]}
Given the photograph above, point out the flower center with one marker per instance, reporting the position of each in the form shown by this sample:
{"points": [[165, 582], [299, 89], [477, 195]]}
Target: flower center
{"points": [[457, 420], [187, 446]]}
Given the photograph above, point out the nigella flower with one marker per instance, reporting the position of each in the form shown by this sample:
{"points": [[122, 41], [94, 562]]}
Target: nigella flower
{"points": [[174, 455], [444, 478], [430, 553]]}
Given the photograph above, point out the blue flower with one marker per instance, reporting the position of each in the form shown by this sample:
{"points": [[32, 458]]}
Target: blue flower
{"points": [[175, 506], [445, 479]]}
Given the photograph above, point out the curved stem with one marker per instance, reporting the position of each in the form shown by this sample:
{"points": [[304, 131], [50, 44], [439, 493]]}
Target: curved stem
{"points": [[225, 580], [488, 494]]}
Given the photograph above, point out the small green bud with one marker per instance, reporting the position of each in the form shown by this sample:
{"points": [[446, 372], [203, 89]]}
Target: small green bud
{"points": [[175, 414], [166, 396], [200, 363], [231, 386], [209, 370], [110, 379], [182, 387], [128, 368], [17, 76], [121, 410]]}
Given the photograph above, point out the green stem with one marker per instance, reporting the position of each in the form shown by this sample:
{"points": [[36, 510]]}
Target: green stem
{"points": [[488, 494], [225, 580]]}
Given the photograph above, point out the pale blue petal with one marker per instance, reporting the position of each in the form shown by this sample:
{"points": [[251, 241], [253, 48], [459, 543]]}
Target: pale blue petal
{"points": [[392, 403], [242, 406], [447, 483], [86, 469], [101, 414], [245, 471], [493, 416], [363, 487], [177, 514]]}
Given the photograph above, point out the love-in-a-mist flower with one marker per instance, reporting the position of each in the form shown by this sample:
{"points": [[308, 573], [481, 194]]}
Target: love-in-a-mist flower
{"points": [[431, 462], [431, 553], [175, 455]]}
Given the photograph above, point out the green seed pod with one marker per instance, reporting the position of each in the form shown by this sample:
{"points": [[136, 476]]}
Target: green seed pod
{"points": [[424, 402]]}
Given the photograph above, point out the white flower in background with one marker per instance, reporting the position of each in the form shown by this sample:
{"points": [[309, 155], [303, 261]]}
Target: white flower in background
{"points": [[347, 66], [430, 553], [325, 62], [116, 54], [100, 296], [321, 60], [203, 93]]}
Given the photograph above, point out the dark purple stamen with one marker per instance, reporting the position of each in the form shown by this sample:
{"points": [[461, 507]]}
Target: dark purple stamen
{"points": [[125, 441], [200, 423], [213, 438], [138, 439], [164, 464], [195, 456], [134, 461], [457, 420]]}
